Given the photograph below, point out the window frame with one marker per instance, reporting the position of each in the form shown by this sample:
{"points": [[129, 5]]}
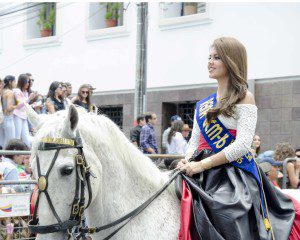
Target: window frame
{"points": [[109, 107], [104, 33], [183, 21], [30, 43]]}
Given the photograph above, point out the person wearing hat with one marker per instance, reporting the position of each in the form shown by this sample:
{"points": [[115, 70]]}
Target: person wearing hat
{"points": [[271, 168], [166, 133], [91, 88], [8, 106]]}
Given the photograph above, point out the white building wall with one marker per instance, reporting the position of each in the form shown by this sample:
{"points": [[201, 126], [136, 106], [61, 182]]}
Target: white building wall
{"points": [[270, 32]]}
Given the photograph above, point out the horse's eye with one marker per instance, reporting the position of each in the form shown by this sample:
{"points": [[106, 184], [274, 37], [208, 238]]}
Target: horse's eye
{"points": [[66, 170]]}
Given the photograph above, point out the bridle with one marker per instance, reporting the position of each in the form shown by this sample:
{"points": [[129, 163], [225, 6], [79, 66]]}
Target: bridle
{"points": [[83, 174]]}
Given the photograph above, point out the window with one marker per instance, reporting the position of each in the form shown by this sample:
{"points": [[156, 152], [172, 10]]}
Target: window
{"points": [[186, 111], [106, 19], [105, 15], [115, 113], [182, 14], [41, 25], [41, 21]]}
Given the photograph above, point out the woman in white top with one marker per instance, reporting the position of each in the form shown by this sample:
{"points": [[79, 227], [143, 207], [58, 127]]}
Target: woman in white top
{"points": [[176, 144], [22, 96], [232, 199]]}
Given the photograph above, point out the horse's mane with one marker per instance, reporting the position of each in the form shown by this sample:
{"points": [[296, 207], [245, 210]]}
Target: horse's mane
{"points": [[98, 130]]}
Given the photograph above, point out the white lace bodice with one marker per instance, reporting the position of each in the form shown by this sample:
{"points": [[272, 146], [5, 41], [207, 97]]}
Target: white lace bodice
{"points": [[244, 122]]}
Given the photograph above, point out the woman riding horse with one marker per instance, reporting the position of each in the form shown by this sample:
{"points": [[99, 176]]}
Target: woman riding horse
{"points": [[232, 199]]}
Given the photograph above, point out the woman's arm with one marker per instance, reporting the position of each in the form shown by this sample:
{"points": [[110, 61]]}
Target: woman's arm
{"points": [[50, 106], [237, 149], [293, 173], [194, 141], [10, 101]]}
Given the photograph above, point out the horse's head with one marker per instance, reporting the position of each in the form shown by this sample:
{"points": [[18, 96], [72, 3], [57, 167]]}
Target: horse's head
{"points": [[60, 167], [121, 170]]}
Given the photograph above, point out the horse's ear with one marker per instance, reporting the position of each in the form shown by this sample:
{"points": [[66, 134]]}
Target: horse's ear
{"points": [[34, 118], [70, 122]]}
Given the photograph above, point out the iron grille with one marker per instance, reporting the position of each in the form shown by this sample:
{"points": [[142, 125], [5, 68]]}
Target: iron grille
{"points": [[186, 112], [115, 113]]}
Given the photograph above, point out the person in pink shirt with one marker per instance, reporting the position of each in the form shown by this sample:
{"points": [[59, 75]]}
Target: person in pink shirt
{"points": [[20, 116]]}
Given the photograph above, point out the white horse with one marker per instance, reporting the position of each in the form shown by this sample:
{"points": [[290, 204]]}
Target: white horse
{"points": [[125, 178]]}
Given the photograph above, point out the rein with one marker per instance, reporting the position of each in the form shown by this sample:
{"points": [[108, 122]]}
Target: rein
{"points": [[129, 216], [78, 205]]}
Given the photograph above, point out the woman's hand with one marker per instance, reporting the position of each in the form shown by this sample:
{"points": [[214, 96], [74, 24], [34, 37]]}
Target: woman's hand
{"points": [[190, 168], [181, 163], [32, 96]]}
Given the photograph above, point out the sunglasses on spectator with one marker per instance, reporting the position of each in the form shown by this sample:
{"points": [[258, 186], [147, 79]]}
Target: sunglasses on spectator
{"points": [[85, 92]]}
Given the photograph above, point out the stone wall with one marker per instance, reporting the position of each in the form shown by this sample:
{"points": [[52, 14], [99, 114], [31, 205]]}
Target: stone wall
{"points": [[278, 103]]}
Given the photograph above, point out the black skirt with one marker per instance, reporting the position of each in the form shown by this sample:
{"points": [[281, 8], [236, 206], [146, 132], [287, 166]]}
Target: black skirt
{"points": [[226, 205]]}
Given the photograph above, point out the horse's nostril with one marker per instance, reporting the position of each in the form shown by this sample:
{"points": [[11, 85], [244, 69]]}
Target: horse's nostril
{"points": [[66, 170]]}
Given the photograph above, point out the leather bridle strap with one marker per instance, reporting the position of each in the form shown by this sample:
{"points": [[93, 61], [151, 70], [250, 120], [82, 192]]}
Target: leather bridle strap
{"points": [[78, 205], [131, 214]]}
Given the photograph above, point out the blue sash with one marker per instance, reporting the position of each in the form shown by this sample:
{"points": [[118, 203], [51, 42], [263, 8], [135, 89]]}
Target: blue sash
{"points": [[218, 137]]}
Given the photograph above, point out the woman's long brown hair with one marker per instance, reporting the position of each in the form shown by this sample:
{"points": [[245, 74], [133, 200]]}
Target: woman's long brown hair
{"points": [[234, 56], [88, 98]]}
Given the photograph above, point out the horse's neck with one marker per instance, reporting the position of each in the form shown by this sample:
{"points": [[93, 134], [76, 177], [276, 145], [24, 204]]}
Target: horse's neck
{"points": [[124, 185], [122, 188]]}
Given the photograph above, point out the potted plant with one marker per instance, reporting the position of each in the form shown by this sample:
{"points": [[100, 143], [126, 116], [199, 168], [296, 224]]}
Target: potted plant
{"points": [[189, 8], [112, 13], [46, 20]]}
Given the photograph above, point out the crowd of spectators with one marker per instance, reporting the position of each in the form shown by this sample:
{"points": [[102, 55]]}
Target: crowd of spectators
{"points": [[174, 140], [14, 93], [272, 163], [16, 132]]}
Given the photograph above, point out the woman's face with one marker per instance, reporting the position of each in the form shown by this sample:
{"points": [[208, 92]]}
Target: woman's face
{"points": [[14, 84], [59, 90], [256, 141], [216, 67], [84, 92], [26, 85], [64, 90], [273, 174]]}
